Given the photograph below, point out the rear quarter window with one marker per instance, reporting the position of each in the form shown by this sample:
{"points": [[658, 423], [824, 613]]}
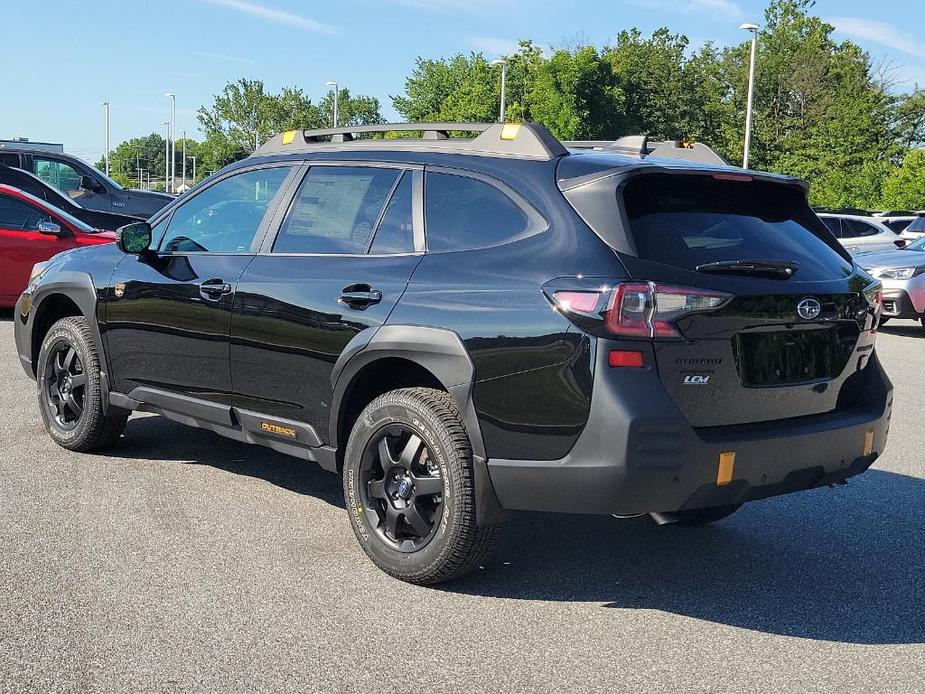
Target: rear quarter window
{"points": [[464, 213], [686, 221]]}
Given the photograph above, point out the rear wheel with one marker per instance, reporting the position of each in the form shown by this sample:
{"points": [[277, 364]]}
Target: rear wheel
{"points": [[70, 398], [705, 516], [410, 488]]}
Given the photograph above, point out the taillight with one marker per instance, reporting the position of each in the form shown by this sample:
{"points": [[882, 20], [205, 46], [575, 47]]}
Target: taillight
{"points": [[638, 309]]}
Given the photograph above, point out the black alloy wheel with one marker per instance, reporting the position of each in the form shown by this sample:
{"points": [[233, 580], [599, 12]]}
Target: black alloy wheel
{"points": [[65, 385], [401, 488]]}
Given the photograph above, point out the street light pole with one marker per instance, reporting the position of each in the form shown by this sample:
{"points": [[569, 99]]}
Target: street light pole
{"points": [[106, 128], [503, 64], [184, 158], [166, 153], [753, 28], [173, 148], [336, 95]]}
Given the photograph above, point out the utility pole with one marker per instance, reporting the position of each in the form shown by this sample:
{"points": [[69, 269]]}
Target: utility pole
{"points": [[173, 132], [106, 129], [336, 95], [503, 64], [166, 153], [753, 28], [184, 157], [194, 168]]}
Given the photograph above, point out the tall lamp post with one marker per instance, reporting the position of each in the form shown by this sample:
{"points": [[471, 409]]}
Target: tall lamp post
{"points": [[194, 168], [503, 64], [173, 132], [184, 158], [166, 154], [336, 94], [753, 28], [105, 105]]}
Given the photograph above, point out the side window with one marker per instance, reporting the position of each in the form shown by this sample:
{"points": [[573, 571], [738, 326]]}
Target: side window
{"points": [[336, 210], [10, 159], [225, 217], [58, 174], [20, 216], [854, 228], [395, 233], [465, 213], [833, 224]]}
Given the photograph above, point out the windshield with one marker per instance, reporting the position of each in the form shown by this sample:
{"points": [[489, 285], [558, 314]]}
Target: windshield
{"points": [[916, 245], [692, 221]]}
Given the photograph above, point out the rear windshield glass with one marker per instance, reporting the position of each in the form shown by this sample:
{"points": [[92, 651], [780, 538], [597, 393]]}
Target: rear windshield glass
{"points": [[686, 221], [918, 224]]}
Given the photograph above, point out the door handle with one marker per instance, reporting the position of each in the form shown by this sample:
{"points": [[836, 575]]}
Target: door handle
{"points": [[215, 289], [359, 296]]}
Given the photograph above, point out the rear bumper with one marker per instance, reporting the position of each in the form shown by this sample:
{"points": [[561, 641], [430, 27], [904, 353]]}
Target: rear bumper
{"points": [[638, 454]]}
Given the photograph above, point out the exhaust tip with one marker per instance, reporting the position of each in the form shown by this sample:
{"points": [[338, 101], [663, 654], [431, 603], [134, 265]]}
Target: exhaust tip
{"points": [[663, 518]]}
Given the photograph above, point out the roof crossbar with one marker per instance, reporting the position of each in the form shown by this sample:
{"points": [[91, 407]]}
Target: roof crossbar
{"points": [[518, 140]]}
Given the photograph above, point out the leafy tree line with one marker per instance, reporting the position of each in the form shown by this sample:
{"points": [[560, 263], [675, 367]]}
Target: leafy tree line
{"points": [[823, 111]]}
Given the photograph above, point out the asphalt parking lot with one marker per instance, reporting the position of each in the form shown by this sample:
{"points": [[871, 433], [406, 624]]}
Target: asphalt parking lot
{"points": [[181, 562]]}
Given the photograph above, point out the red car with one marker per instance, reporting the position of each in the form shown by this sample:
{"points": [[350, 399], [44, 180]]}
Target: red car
{"points": [[31, 231]]}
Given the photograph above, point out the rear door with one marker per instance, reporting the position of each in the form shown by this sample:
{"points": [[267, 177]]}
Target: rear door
{"points": [[22, 245], [785, 344], [344, 253], [169, 312], [859, 236]]}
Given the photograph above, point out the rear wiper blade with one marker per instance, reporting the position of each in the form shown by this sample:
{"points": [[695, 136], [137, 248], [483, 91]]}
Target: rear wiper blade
{"points": [[772, 268]]}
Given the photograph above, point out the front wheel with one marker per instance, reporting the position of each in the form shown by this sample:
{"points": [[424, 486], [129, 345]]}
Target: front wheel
{"points": [[70, 397], [410, 490]]}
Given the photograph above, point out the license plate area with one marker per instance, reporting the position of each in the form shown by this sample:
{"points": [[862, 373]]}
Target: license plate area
{"points": [[787, 357]]}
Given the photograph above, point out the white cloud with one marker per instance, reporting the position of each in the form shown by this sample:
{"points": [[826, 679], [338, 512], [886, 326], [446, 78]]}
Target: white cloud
{"points": [[273, 15], [492, 46], [879, 32], [227, 58], [725, 9]]}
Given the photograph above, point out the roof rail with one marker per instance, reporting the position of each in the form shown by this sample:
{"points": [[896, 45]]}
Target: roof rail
{"points": [[517, 140], [639, 146]]}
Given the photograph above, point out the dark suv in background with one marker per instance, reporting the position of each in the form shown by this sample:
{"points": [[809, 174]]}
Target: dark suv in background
{"points": [[463, 328], [78, 180]]}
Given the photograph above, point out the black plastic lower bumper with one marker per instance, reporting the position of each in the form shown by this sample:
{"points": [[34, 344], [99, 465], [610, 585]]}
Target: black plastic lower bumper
{"points": [[637, 454]]}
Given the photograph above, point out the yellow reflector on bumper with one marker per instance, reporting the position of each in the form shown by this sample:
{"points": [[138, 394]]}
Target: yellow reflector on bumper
{"points": [[868, 442], [724, 472], [288, 137], [509, 131]]}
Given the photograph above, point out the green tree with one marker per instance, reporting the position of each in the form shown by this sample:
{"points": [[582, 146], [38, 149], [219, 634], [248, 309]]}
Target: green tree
{"points": [[904, 187], [139, 152]]}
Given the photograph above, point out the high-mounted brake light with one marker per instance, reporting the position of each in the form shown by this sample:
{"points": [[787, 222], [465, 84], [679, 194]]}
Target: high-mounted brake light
{"points": [[637, 309], [743, 178]]}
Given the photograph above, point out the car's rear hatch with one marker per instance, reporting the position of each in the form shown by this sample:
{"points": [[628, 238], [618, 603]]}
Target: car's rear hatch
{"points": [[789, 318]]}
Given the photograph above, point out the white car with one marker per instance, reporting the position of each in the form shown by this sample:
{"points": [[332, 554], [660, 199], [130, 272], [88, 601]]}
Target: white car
{"points": [[859, 234], [915, 230], [902, 273]]}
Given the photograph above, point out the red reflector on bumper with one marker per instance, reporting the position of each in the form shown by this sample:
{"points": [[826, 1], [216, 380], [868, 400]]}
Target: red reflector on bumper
{"points": [[623, 357]]}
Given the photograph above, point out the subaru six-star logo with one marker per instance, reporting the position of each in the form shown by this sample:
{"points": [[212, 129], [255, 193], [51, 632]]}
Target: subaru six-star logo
{"points": [[809, 309]]}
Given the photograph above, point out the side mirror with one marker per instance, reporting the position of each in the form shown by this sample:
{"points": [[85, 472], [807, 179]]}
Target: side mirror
{"points": [[90, 183], [50, 228], [134, 238]]}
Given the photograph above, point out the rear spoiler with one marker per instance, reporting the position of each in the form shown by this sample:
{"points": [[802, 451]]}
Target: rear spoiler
{"points": [[640, 146]]}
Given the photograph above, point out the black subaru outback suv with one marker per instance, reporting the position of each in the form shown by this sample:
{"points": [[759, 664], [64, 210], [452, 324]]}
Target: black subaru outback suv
{"points": [[463, 328]]}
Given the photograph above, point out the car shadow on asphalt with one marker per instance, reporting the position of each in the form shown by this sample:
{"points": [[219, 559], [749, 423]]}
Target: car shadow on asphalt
{"points": [[6, 315], [158, 438], [841, 565], [829, 564], [903, 330]]}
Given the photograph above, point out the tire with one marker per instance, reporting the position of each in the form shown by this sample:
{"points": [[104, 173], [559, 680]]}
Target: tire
{"points": [[69, 365], [704, 516], [883, 321], [405, 446]]}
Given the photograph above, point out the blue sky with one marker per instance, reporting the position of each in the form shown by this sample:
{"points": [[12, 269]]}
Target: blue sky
{"points": [[63, 58]]}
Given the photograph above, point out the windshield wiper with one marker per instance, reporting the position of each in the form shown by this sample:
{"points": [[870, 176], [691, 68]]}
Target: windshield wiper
{"points": [[777, 269]]}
